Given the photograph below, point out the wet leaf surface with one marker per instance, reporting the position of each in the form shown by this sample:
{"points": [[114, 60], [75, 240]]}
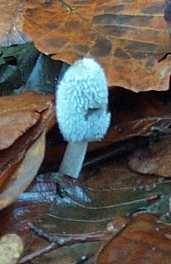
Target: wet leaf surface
{"points": [[129, 39], [112, 190], [145, 240]]}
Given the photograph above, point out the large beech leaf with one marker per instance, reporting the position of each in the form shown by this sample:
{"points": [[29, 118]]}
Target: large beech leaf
{"points": [[144, 240], [130, 39]]}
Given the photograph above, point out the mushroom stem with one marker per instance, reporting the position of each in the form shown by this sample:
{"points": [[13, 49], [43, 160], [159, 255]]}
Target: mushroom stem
{"points": [[73, 159]]}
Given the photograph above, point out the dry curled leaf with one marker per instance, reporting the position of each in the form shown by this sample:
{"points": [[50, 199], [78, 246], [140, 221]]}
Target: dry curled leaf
{"points": [[144, 240], [130, 39]]}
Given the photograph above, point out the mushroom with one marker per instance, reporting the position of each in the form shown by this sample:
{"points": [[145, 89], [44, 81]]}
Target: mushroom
{"points": [[81, 108]]}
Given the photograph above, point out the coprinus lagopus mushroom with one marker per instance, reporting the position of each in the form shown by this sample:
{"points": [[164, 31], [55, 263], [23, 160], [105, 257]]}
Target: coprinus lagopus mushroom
{"points": [[81, 108]]}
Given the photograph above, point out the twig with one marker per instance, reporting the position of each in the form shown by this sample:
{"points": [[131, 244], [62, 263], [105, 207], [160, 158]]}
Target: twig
{"points": [[38, 253], [68, 239], [60, 240]]}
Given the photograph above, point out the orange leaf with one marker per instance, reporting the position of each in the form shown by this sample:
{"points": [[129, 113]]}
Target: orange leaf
{"points": [[143, 240], [128, 38]]}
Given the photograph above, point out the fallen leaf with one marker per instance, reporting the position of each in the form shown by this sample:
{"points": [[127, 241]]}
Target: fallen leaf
{"points": [[154, 159], [144, 240], [18, 114], [130, 40], [11, 23], [26, 117], [135, 115], [24, 174], [15, 124], [111, 188]]}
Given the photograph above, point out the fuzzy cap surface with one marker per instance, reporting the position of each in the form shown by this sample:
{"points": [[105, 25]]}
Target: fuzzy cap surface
{"points": [[81, 102]]}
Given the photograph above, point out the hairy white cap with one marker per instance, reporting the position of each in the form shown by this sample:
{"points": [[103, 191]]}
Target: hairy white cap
{"points": [[81, 102]]}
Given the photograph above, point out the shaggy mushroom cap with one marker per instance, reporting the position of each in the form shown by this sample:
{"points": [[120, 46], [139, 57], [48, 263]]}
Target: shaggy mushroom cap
{"points": [[82, 98]]}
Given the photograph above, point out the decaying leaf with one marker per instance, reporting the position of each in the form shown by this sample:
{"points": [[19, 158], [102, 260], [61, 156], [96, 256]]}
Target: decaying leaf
{"points": [[144, 240], [130, 39], [138, 114], [11, 248], [112, 189], [155, 159], [26, 117]]}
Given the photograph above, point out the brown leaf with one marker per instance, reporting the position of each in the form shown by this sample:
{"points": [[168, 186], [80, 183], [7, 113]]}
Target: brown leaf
{"points": [[137, 115], [18, 114], [37, 205], [155, 159], [14, 125], [128, 39], [37, 113], [11, 22], [24, 173], [119, 194], [144, 240]]}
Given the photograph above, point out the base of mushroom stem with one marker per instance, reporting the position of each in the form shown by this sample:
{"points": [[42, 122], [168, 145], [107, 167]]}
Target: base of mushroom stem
{"points": [[63, 182]]}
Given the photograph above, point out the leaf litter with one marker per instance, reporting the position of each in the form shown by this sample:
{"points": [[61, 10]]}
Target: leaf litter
{"points": [[110, 185]]}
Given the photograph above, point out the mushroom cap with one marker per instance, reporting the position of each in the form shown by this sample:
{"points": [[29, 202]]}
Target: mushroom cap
{"points": [[81, 102]]}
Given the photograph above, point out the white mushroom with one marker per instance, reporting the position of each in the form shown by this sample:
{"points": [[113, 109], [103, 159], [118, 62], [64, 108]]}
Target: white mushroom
{"points": [[81, 108]]}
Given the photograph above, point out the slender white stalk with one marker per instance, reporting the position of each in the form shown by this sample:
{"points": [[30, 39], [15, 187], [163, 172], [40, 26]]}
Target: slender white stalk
{"points": [[73, 159]]}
